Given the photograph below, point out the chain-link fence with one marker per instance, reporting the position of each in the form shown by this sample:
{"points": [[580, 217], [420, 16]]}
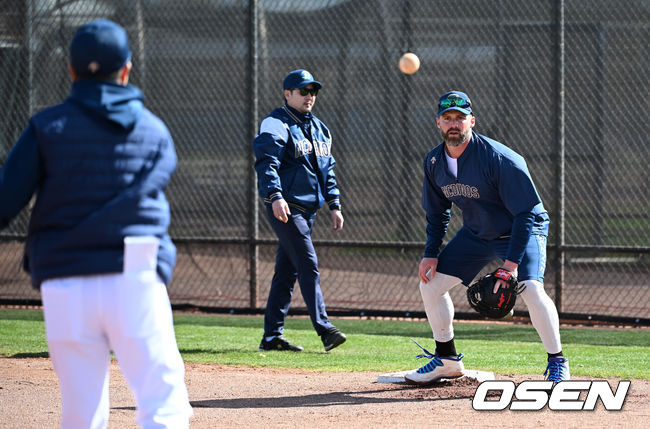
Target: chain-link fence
{"points": [[563, 82]]}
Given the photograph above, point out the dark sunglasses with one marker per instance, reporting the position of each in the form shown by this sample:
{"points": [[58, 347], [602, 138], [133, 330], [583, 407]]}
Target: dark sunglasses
{"points": [[305, 91], [454, 102]]}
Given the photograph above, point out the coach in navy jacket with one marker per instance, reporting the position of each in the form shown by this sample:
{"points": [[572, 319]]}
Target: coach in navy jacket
{"points": [[295, 170], [99, 162]]}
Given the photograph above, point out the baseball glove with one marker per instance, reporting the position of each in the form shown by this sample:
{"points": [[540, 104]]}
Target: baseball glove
{"points": [[494, 305]]}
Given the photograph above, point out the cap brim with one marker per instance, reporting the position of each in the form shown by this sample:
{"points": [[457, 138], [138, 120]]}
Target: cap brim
{"points": [[461, 110], [308, 82]]}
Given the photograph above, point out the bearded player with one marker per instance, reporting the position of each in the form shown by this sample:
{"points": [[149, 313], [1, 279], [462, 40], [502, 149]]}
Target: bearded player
{"points": [[503, 219]]}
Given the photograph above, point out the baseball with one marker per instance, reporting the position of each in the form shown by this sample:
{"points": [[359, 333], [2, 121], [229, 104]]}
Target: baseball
{"points": [[409, 63]]}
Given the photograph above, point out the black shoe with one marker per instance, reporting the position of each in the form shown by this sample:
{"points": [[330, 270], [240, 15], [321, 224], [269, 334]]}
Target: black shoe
{"points": [[279, 343], [333, 338]]}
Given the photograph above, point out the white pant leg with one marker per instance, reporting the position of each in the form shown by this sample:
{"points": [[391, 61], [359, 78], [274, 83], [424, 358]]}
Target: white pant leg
{"points": [[78, 349], [543, 315], [141, 333], [439, 306]]}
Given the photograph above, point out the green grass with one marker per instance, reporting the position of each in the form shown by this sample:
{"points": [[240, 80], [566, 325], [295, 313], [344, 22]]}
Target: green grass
{"points": [[378, 346]]}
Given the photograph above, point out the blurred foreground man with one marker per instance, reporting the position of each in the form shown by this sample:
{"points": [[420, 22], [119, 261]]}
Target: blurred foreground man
{"points": [[97, 245]]}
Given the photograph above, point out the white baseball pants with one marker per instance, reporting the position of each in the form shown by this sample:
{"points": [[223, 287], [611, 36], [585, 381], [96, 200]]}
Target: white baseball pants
{"points": [[88, 316], [440, 310]]}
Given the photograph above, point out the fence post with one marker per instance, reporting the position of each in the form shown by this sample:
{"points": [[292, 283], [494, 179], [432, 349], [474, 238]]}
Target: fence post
{"points": [[253, 97], [406, 145], [560, 154], [29, 36], [600, 167], [141, 53]]}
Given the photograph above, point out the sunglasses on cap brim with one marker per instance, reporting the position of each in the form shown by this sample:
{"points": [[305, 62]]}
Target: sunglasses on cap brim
{"points": [[454, 102]]}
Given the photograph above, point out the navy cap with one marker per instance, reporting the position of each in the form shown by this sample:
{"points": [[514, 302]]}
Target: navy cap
{"points": [[99, 47], [299, 79], [454, 100]]}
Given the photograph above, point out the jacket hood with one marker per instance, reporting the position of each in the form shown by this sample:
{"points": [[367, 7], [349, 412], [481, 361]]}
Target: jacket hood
{"points": [[121, 105]]}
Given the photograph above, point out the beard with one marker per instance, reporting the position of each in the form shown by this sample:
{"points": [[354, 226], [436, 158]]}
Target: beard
{"points": [[454, 141]]}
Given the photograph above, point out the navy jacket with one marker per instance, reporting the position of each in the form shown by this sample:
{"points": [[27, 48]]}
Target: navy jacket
{"points": [[99, 163], [494, 191], [294, 161]]}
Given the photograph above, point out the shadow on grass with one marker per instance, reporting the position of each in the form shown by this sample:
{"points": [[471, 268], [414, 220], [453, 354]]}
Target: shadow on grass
{"points": [[409, 329], [464, 331], [30, 355]]}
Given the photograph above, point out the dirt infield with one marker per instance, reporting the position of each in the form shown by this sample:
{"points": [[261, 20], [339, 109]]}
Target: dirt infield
{"points": [[238, 397]]}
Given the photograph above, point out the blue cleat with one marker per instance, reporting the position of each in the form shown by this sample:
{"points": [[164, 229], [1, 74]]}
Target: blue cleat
{"points": [[439, 367], [557, 370]]}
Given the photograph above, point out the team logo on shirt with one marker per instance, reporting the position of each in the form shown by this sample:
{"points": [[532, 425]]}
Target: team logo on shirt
{"points": [[460, 190], [305, 147], [323, 149]]}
